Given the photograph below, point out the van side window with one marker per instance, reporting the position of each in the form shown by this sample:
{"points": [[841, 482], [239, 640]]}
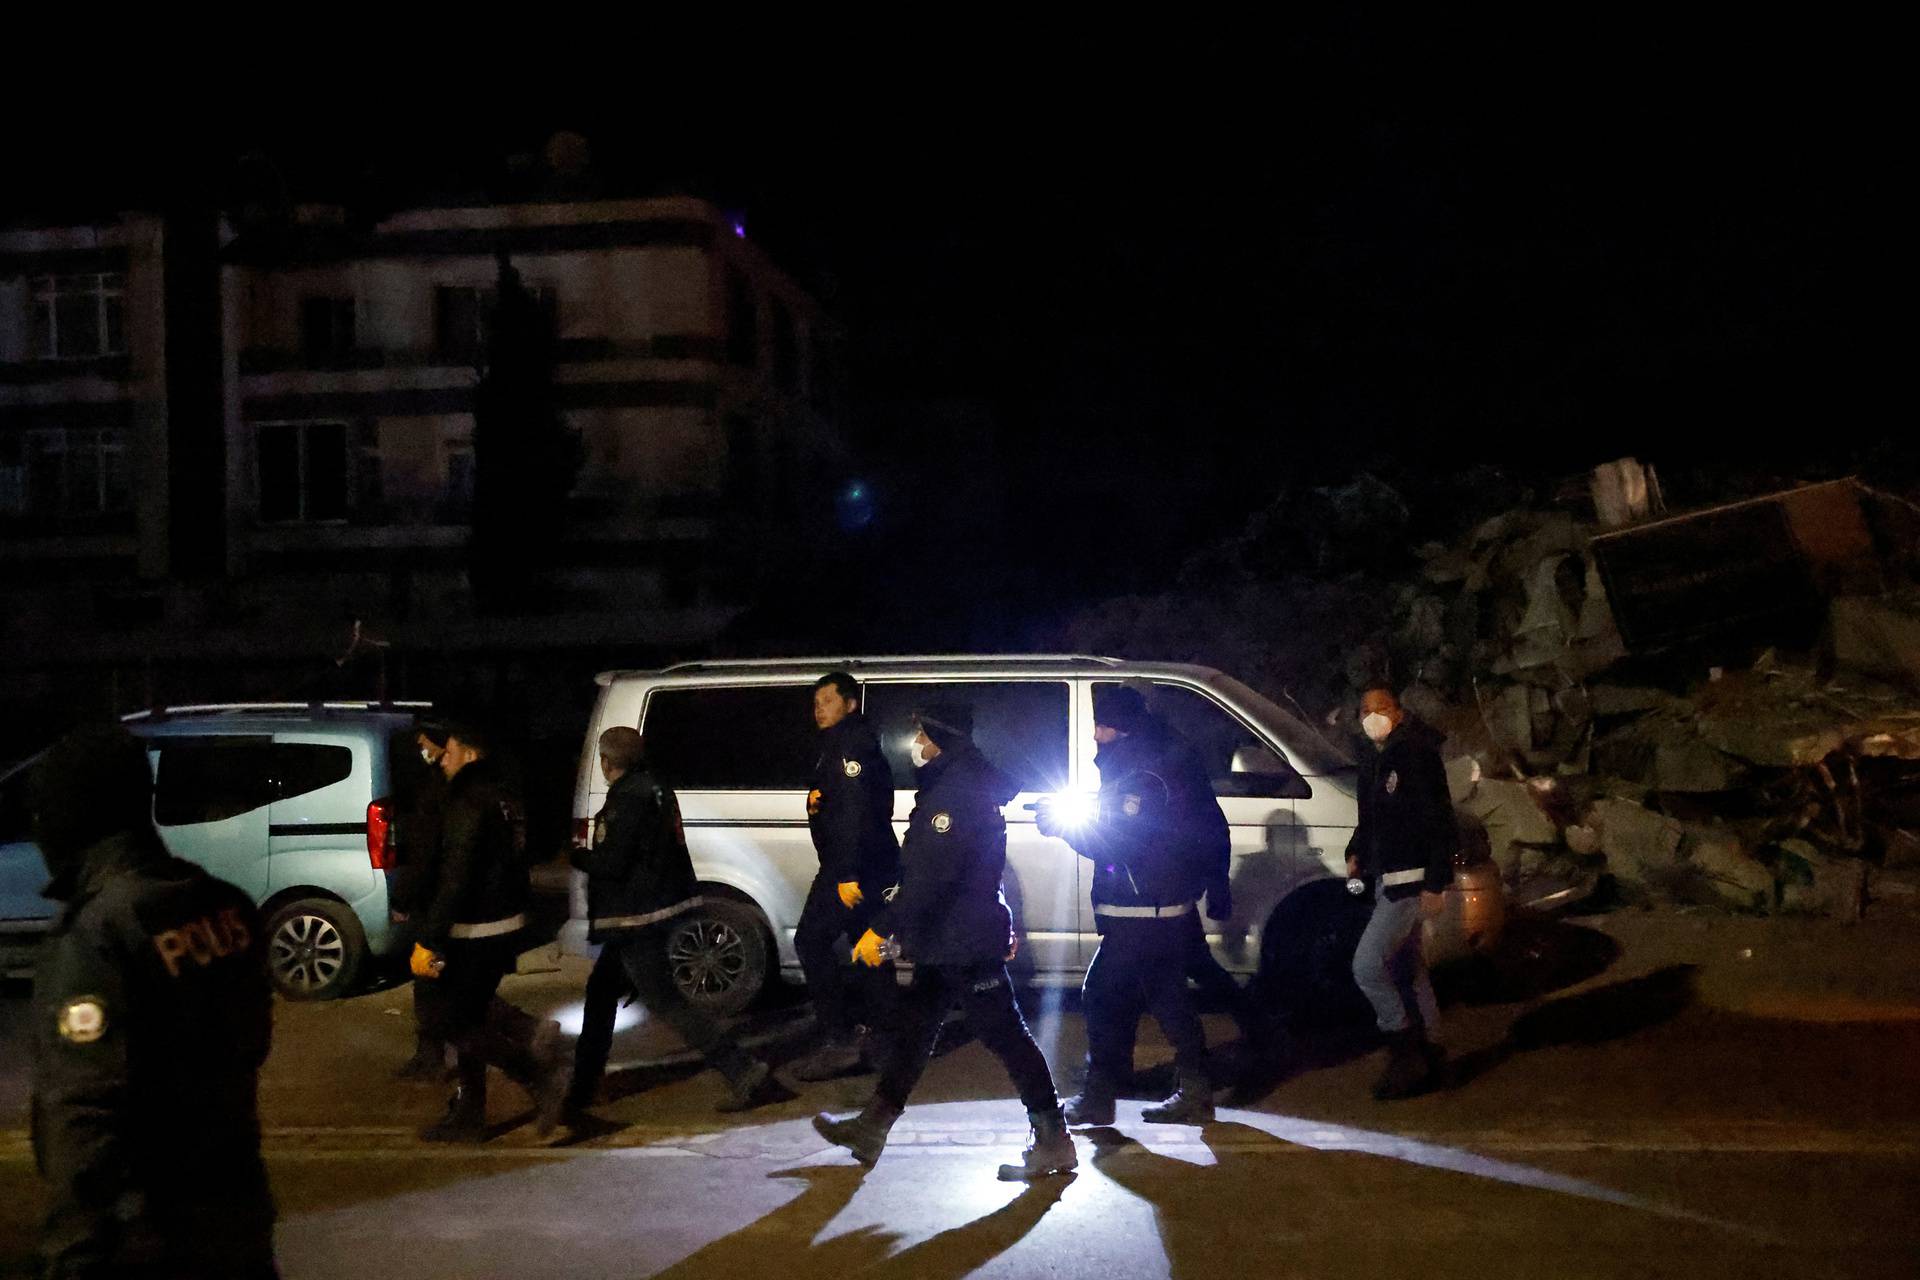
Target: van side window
{"points": [[751, 738], [301, 767], [1217, 736], [1020, 725], [211, 779]]}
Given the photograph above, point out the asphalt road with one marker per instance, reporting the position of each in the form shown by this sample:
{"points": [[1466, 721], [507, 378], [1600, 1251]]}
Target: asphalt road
{"points": [[1647, 1096]]}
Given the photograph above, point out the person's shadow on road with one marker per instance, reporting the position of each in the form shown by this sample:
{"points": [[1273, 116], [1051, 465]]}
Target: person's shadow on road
{"points": [[786, 1242]]}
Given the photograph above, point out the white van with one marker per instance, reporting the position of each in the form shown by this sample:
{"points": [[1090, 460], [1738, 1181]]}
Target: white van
{"points": [[736, 740]]}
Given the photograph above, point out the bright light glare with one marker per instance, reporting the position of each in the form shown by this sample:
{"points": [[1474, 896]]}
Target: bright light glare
{"points": [[1073, 808]]}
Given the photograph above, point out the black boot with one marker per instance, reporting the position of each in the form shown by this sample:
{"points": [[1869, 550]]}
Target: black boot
{"points": [[865, 1135], [1051, 1150], [1409, 1069], [1191, 1103], [839, 1056], [466, 1118], [429, 1062], [1093, 1105], [753, 1087]]}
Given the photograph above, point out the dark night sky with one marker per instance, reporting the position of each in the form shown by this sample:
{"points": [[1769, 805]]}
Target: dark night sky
{"points": [[1193, 275]]}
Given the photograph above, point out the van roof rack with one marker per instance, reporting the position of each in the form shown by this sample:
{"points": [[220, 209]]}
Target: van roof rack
{"points": [[218, 708], [830, 664]]}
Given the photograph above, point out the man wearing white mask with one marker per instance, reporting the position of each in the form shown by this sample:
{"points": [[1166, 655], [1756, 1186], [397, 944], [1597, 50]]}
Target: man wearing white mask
{"points": [[1403, 848]]}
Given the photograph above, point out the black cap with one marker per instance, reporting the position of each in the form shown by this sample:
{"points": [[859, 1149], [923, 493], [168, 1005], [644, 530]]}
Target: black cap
{"points": [[93, 783], [1119, 707], [947, 723]]}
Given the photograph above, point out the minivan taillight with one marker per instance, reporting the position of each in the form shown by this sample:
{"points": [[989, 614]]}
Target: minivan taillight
{"points": [[379, 831], [582, 832]]}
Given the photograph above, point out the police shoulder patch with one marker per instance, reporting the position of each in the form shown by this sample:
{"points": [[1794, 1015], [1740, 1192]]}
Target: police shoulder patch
{"points": [[851, 768], [1393, 781], [942, 823], [1131, 806], [83, 1019]]}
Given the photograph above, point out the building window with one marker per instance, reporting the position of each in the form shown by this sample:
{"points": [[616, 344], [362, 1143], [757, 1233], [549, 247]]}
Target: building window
{"points": [[463, 317], [55, 473], [79, 317], [786, 349], [459, 499], [303, 472], [743, 319], [326, 327], [369, 476]]}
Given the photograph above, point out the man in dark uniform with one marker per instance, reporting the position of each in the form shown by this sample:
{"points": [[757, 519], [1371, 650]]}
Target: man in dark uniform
{"points": [[469, 939], [639, 879], [152, 1016], [422, 792], [850, 811], [1403, 847], [948, 917], [1155, 850]]}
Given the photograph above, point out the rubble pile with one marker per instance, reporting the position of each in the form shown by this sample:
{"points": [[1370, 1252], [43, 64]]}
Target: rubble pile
{"points": [[1787, 782]]}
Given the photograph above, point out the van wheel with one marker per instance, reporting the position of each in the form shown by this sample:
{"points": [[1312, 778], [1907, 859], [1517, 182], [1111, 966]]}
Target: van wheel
{"points": [[719, 956], [315, 947], [1306, 957]]}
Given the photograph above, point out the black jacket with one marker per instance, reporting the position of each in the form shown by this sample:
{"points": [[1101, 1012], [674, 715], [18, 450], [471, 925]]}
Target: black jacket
{"points": [[1406, 813], [947, 908], [152, 1013], [638, 870], [421, 802], [481, 876], [1159, 838], [850, 807]]}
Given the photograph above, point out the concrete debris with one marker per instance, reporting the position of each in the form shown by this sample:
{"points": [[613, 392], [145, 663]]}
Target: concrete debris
{"points": [[1814, 882], [1725, 873], [1641, 846]]}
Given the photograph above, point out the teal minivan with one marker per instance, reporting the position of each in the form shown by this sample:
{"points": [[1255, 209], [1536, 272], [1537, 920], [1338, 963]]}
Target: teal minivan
{"points": [[289, 801]]}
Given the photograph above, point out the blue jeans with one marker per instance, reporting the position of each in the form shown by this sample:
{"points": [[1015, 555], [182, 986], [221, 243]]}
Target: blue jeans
{"points": [[1391, 971]]}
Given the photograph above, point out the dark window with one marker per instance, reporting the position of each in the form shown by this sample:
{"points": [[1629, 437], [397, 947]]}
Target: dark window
{"points": [[459, 317], [743, 319], [211, 779], [301, 767], [303, 471], [759, 738], [75, 317], [326, 327], [56, 472], [1217, 735], [1020, 725], [786, 349]]}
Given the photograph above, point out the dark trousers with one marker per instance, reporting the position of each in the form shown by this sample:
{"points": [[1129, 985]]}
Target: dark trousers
{"points": [[1141, 967], [985, 996], [637, 963], [1213, 981], [460, 1009], [824, 937]]}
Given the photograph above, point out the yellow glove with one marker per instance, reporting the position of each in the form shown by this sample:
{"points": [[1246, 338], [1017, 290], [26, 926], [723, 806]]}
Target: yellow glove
{"points": [[868, 951], [424, 963], [850, 895]]}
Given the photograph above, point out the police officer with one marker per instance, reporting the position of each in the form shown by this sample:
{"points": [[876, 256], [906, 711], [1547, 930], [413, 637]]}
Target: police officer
{"points": [[850, 812], [416, 846], [1157, 842], [639, 880], [1403, 848], [469, 939], [948, 917], [152, 1017]]}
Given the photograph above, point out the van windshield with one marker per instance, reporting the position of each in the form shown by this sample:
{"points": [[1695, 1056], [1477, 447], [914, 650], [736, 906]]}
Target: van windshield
{"points": [[1317, 755]]}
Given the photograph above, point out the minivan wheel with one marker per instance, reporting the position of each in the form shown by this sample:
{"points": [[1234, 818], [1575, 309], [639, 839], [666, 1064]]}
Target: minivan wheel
{"points": [[718, 955], [314, 948], [1306, 957]]}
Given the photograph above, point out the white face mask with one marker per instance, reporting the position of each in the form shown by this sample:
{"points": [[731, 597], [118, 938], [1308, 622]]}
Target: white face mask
{"points": [[426, 753], [1376, 726], [917, 752]]}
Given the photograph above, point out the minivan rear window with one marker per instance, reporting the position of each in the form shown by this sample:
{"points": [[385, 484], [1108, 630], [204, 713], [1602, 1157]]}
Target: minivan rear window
{"points": [[746, 738]]}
